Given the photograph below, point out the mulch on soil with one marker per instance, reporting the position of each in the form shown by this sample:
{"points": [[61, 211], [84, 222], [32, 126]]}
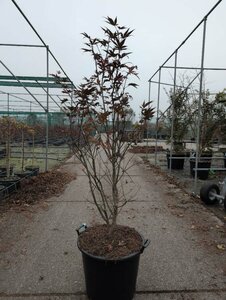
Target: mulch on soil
{"points": [[118, 243], [37, 188]]}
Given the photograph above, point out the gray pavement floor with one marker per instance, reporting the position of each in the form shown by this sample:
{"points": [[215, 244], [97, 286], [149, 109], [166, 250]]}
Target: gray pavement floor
{"points": [[185, 260]]}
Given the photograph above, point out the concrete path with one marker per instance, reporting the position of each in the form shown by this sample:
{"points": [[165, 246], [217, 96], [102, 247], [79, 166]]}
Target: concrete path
{"points": [[185, 260]]}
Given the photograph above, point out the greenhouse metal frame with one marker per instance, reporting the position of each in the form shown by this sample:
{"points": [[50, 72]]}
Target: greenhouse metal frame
{"points": [[45, 83], [200, 70]]}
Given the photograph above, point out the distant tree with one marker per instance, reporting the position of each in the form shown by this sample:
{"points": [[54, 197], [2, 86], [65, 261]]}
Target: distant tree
{"points": [[130, 115], [8, 128], [57, 118], [32, 119]]}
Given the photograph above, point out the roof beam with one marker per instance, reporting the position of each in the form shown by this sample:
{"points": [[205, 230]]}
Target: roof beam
{"points": [[30, 84], [35, 78]]}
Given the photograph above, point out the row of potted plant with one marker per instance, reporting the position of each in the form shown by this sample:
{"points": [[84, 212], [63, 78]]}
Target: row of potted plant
{"points": [[183, 116], [9, 179]]}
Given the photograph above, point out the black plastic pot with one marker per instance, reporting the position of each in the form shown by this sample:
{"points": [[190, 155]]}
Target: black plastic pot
{"points": [[2, 191], [3, 171], [23, 174], [111, 279], [11, 183], [2, 153], [201, 174], [33, 169], [224, 153], [176, 163]]}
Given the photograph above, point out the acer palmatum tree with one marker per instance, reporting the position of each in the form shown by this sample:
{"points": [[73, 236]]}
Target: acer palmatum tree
{"points": [[98, 108]]}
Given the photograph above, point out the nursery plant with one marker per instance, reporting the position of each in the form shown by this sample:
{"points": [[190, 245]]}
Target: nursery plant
{"points": [[221, 96], [8, 130], [176, 122], [34, 169], [32, 132], [100, 108], [221, 99], [23, 131], [212, 117]]}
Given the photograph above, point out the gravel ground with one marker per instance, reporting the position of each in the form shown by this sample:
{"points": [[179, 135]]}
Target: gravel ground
{"points": [[184, 179]]}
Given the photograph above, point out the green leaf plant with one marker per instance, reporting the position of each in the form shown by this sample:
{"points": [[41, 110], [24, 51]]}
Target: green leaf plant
{"points": [[212, 117], [177, 115]]}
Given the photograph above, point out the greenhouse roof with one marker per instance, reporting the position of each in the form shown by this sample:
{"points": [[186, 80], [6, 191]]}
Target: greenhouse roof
{"points": [[33, 81]]}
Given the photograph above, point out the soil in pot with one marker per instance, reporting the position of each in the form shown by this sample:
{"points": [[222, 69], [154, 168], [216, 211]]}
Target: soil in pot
{"points": [[111, 270], [122, 241]]}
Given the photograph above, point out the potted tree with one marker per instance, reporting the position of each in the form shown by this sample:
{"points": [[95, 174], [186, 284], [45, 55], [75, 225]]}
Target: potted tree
{"points": [[8, 129], [221, 98], [212, 116], [23, 130], [176, 120], [34, 169], [110, 251]]}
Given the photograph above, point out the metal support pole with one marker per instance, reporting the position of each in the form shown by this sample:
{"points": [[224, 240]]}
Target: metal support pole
{"points": [[8, 104], [149, 91], [21, 83], [149, 100], [8, 154], [173, 113], [190, 34], [47, 108], [157, 117], [147, 132], [200, 103]]}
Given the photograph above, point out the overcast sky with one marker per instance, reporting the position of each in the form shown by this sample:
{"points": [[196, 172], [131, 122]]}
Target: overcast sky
{"points": [[160, 26]]}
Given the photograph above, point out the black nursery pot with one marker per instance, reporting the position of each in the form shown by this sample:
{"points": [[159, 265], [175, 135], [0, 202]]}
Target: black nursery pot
{"points": [[224, 153], [33, 169], [201, 174], [23, 174], [2, 153], [111, 279], [2, 191], [12, 183], [3, 171], [176, 163]]}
